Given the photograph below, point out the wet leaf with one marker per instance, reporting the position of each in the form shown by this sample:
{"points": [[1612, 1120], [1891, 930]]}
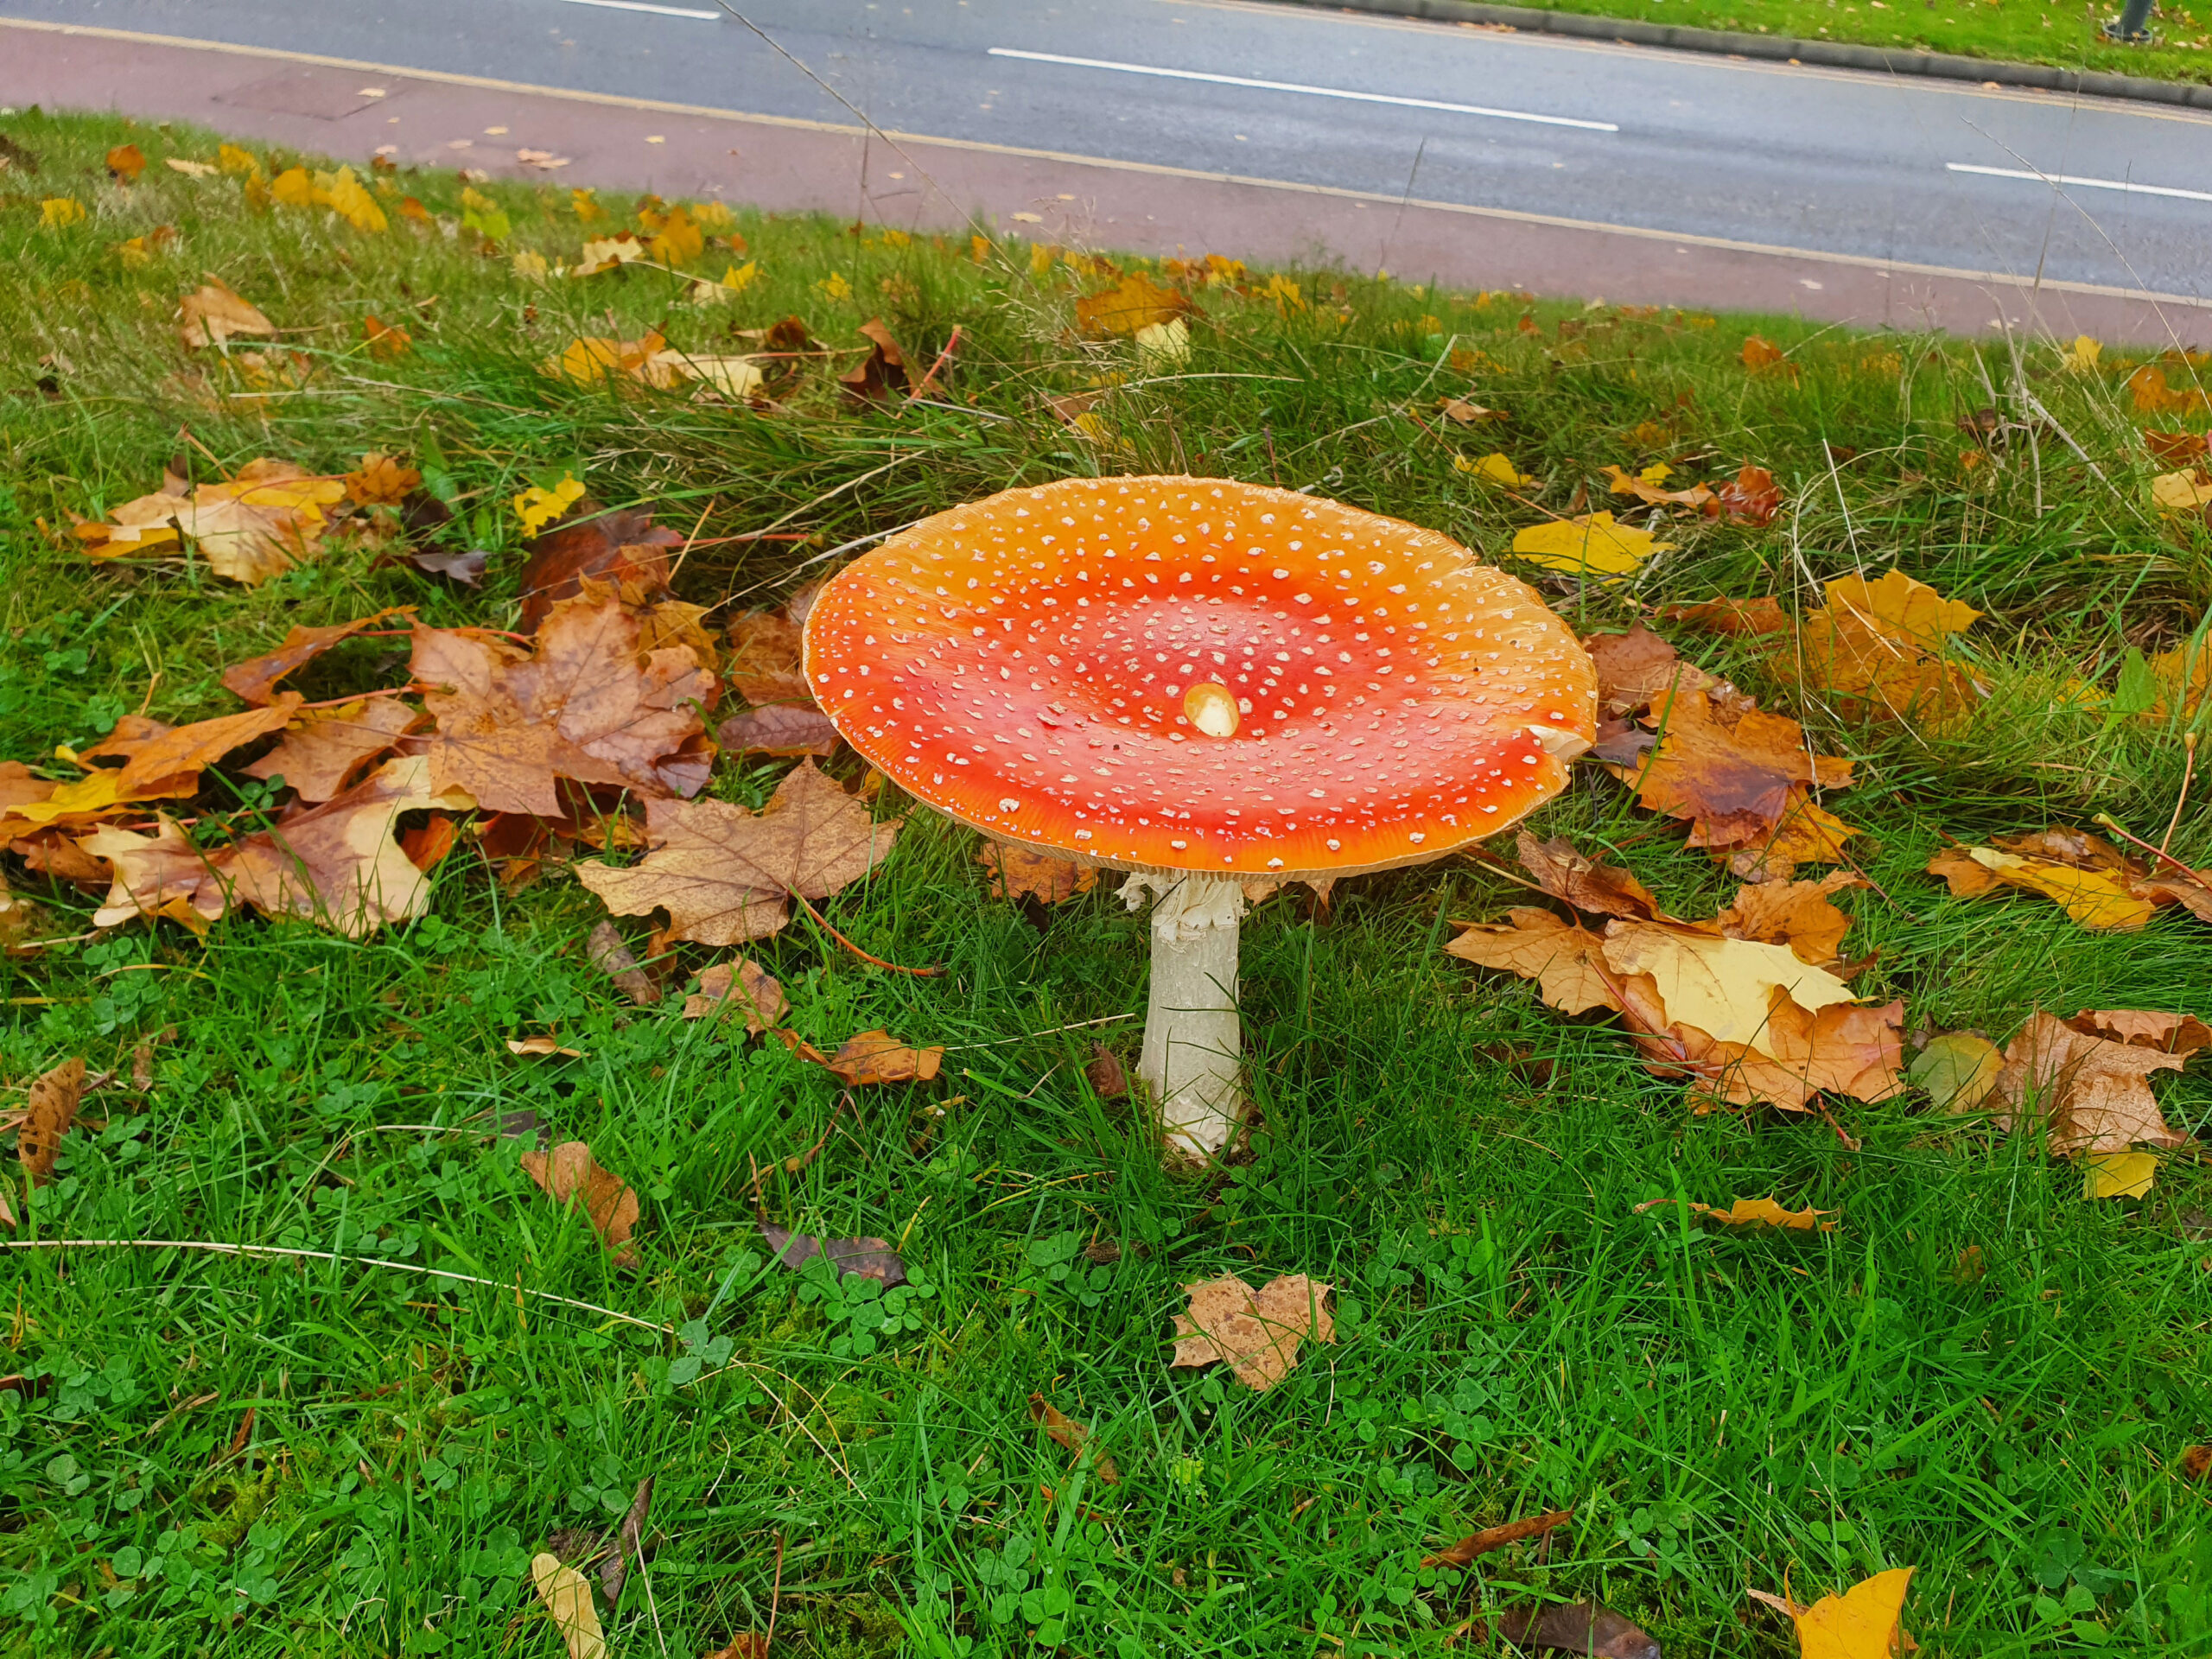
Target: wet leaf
{"points": [[784, 730], [723, 874], [568, 1172], [568, 1602], [1491, 1538], [588, 705], [1861, 1623], [48, 1110], [1066, 1431], [604, 949], [728, 989], [862, 1258], [255, 680], [1958, 1069], [1254, 1334], [1591, 545], [1017, 871]]}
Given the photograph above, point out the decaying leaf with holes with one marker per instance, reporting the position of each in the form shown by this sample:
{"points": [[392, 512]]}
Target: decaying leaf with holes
{"points": [[1254, 1334], [49, 1109], [724, 875]]}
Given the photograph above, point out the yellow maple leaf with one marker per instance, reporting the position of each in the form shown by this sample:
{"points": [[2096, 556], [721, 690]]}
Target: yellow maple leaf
{"points": [[537, 507], [2082, 358], [1495, 468], [2180, 491], [735, 280], [237, 161], [586, 203], [678, 241], [835, 287], [294, 187], [343, 193], [2118, 1174], [1592, 544], [56, 212], [1724, 986], [2095, 898], [1862, 1624]]}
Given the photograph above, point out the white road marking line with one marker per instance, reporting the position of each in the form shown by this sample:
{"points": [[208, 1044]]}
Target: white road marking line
{"points": [[664, 11], [2088, 184], [1311, 91]]}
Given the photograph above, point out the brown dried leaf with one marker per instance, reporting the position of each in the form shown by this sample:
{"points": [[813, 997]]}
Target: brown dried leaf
{"points": [[604, 949], [48, 1114], [786, 730], [1795, 913], [742, 986], [766, 647], [588, 705], [629, 1544], [2196, 1462], [1845, 1049], [1581, 1627], [1105, 1075], [1016, 871], [1637, 669], [255, 680], [1255, 1333], [1728, 768], [621, 546], [883, 376], [1733, 616], [1066, 1431], [187, 749], [569, 1170], [216, 312], [722, 873], [865, 1258], [2093, 1094], [1583, 882], [152, 873], [878, 1057], [2170, 1033], [320, 757], [1489, 1538], [1567, 962], [1809, 833]]}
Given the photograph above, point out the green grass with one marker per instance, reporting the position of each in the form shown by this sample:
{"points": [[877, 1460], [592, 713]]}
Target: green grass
{"points": [[1724, 1412], [2020, 31]]}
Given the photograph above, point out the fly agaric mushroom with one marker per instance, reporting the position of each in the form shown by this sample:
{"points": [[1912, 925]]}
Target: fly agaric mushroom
{"points": [[1206, 683]]}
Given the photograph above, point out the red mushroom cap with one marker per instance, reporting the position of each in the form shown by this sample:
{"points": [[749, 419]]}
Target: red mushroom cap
{"points": [[1033, 664]]}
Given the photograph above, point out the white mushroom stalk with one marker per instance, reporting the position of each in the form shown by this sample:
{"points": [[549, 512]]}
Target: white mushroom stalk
{"points": [[1193, 1034]]}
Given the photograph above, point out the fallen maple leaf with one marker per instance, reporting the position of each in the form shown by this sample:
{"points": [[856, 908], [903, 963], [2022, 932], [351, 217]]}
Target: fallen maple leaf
{"points": [[2196, 1462], [255, 680], [621, 546], [1494, 468], [2092, 1093], [1800, 914], [1579, 1627], [569, 1172], [1645, 487], [882, 376], [126, 162], [1809, 833], [723, 874], [1738, 616], [1583, 882], [1491, 1538], [182, 750], [629, 1544], [1255, 1333], [588, 705], [1727, 767], [465, 569], [1750, 498], [1958, 1069], [1136, 302], [90, 799], [1761, 356], [1861, 1623], [1066, 1431], [1017, 871], [1567, 962], [49, 1111], [215, 313], [1724, 986], [1105, 1074], [2152, 395], [566, 1596], [2096, 884], [319, 755], [742, 986], [2175, 448], [785, 730], [1592, 544], [1877, 649], [380, 481], [384, 340], [1638, 669], [2118, 1174], [861, 1258], [1459, 409], [766, 647], [151, 875]]}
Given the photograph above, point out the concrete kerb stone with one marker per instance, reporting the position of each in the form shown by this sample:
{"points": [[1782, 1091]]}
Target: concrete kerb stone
{"points": [[1827, 54]]}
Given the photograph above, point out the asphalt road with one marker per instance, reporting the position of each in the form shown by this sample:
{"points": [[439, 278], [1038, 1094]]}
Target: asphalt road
{"points": [[1934, 174]]}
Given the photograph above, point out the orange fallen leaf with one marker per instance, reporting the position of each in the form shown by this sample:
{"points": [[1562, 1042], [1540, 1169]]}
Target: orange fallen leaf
{"points": [[384, 340], [1584, 882], [2095, 883], [49, 1111], [1019, 871], [1254, 1334], [1727, 767], [723, 874], [1761, 356], [1735, 616], [1066, 1431], [1878, 649], [621, 546], [1491, 1538], [1638, 669], [1758, 1212], [323, 754], [1136, 302], [1861, 1623], [126, 162], [1567, 962], [255, 680], [764, 664], [1750, 498], [878, 1057], [2092, 1093], [568, 1172], [380, 481], [2152, 395], [182, 750]]}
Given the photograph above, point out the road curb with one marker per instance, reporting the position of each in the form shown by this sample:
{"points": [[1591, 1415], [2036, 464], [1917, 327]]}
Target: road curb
{"points": [[1829, 54]]}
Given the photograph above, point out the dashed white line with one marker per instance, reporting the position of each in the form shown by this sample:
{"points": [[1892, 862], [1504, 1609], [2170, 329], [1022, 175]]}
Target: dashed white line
{"points": [[663, 11], [2087, 184], [1310, 92]]}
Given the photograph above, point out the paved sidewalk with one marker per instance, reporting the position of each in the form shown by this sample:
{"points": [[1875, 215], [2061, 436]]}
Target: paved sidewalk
{"points": [[348, 109]]}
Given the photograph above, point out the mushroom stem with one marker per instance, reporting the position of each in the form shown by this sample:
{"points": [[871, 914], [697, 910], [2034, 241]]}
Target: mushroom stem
{"points": [[1192, 1039]]}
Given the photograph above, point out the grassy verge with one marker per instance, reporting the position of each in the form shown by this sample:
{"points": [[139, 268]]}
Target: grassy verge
{"points": [[303, 1457], [2020, 31]]}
